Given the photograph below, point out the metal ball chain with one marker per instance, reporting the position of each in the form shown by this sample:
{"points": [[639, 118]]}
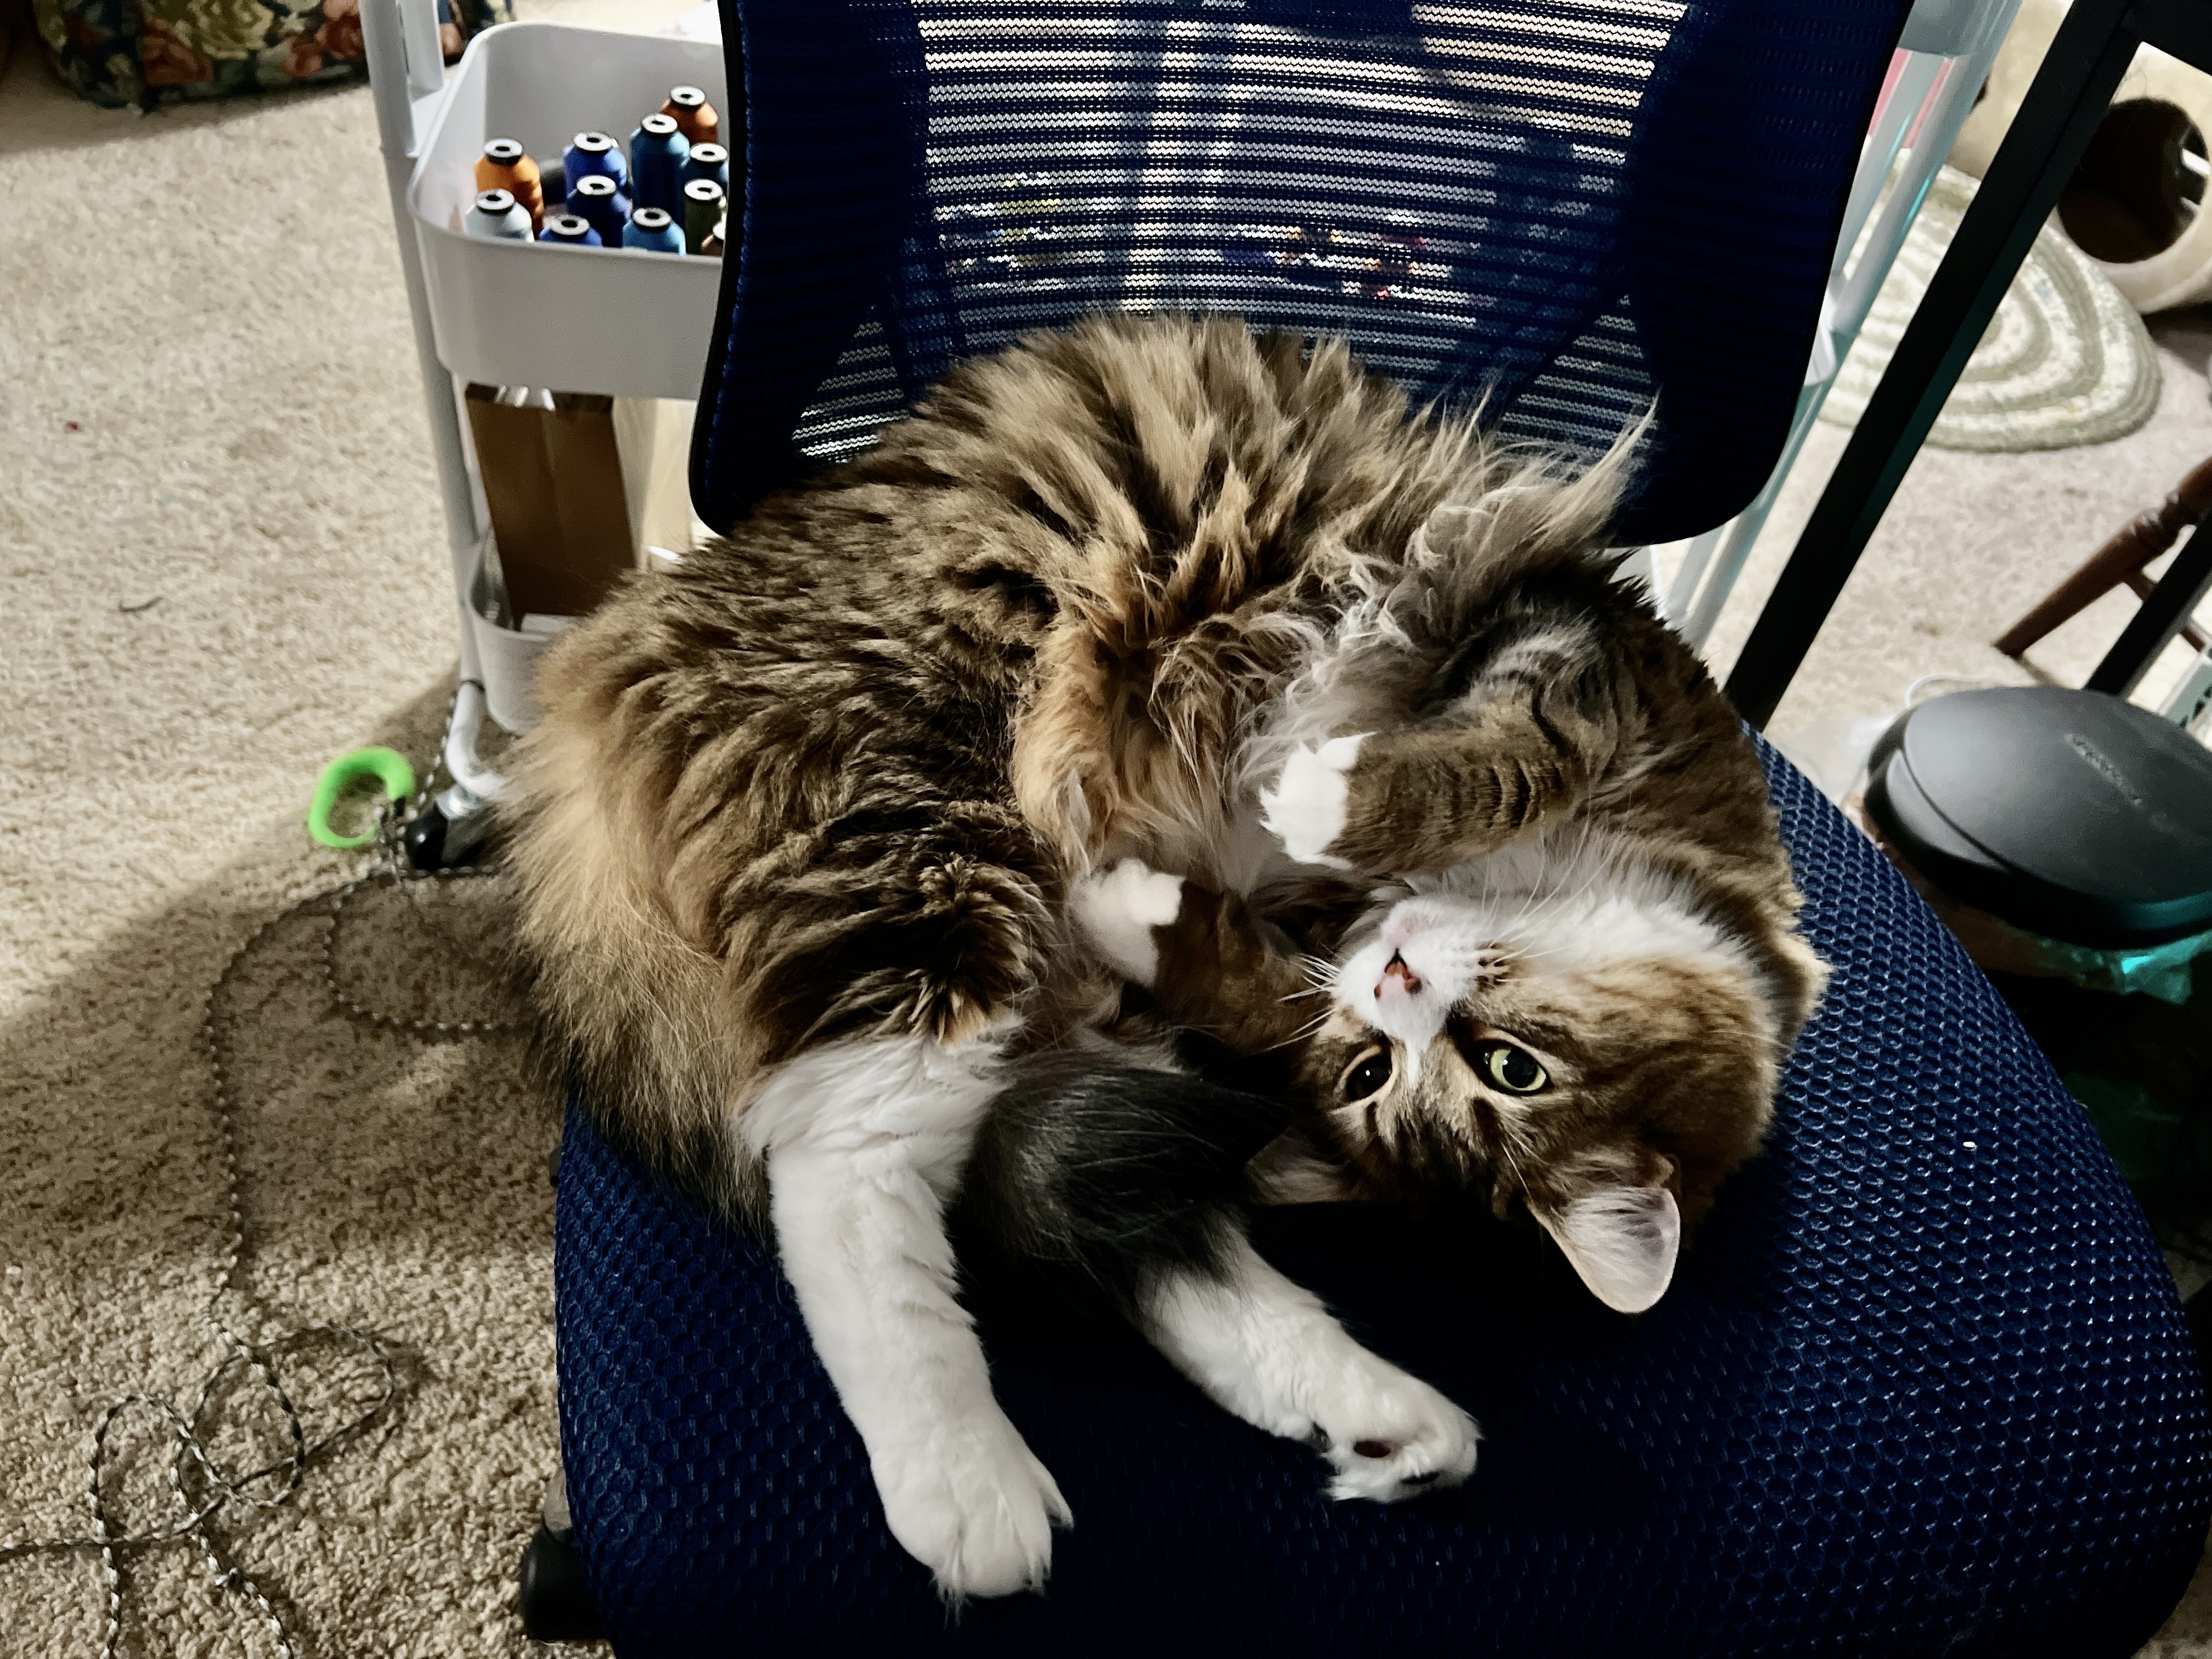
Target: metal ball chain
{"points": [[192, 1465]]}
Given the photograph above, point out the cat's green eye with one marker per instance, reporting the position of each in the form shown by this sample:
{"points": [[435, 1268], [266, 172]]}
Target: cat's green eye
{"points": [[1513, 1069], [1367, 1074]]}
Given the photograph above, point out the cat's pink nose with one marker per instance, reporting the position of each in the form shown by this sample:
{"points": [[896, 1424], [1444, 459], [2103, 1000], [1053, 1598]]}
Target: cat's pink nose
{"points": [[1408, 980]]}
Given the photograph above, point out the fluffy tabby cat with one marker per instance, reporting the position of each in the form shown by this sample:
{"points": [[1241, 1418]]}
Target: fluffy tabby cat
{"points": [[837, 843]]}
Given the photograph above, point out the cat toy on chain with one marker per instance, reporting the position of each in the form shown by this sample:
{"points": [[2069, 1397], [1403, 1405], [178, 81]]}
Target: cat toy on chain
{"points": [[202, 1489]]}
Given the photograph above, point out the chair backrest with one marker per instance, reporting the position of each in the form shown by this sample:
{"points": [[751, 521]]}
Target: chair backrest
{"points": [[1569, 207]]}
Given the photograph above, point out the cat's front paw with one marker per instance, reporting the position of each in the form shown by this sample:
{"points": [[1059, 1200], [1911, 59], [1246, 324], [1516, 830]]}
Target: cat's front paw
{"points": [[1117, 910], [972, 1503], [1307, 808], [1390, 1435]]}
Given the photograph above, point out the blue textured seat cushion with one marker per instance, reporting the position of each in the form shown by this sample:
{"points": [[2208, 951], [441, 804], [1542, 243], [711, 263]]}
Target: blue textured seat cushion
{"points": [[1922, 1387]]}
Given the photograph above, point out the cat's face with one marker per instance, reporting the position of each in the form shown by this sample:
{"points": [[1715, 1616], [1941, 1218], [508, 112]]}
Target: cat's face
{"points": [[1586, 1047]]}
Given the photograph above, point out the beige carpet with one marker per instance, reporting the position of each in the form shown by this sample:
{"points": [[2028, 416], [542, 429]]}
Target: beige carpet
{"points": [[211, 402]]}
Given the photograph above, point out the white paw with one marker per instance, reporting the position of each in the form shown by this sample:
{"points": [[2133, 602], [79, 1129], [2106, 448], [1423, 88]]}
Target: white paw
{"points": [[1390, 1435], [1117, 910], [1305, 811], [972, 1503]]}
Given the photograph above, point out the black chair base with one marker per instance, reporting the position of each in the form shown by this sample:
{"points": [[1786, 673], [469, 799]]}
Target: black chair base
{"points": [[556, 1603]]}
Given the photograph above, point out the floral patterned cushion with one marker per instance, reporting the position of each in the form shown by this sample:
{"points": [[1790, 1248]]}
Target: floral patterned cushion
{"points": [[137, 51]]}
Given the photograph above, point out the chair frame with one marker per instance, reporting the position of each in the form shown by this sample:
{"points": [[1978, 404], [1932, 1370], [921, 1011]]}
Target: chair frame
{"points": [[1945, 56], [2060, 113]]}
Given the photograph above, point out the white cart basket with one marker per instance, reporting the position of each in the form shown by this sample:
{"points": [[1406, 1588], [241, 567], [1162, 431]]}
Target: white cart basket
{"points": [[613, 321]]}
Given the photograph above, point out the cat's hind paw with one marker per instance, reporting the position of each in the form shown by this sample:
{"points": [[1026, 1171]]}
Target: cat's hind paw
{"points": [[1391, 1436], [1117, 909], [1308, 807], [975, 1507]]}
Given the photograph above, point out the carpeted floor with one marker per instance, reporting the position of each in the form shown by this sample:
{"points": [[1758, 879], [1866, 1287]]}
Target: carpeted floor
{"points": [[220, 562]]}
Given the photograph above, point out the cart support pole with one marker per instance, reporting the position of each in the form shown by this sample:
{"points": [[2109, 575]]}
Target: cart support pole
{"points": [[385, 36]]}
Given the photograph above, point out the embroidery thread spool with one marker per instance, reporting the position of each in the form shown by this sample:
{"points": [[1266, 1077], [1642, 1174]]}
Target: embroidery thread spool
{"points": [[656, 154], [688, 108], [589, 153], [716, 239], [595, 200], [497, 217], [704, 204], [651, 230], [571, 231], [504, 167], [708, 161]]}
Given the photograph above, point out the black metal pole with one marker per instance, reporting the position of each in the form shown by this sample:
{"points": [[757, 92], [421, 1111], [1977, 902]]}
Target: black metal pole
{"points": [[2056, 119], [2158, 619]]}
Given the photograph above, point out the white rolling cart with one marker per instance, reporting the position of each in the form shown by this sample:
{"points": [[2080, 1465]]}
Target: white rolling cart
{"points": [[624, 324]]}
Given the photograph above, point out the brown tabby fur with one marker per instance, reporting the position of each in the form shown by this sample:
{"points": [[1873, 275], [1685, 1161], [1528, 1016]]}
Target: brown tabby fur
{"points": [[835, 776], [1561, 708], [1663, 1072]]}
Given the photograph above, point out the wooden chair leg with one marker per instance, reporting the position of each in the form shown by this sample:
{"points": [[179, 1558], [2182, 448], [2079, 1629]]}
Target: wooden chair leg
{"points": [[2119, 562]]}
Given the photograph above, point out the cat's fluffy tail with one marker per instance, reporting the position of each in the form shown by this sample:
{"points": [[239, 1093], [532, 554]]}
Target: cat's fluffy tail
{"points": [[1110, 1175]]}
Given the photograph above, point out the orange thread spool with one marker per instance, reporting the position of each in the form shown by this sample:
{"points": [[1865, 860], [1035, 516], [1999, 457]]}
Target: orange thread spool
{"points": [[504, 166], [694, 116]]}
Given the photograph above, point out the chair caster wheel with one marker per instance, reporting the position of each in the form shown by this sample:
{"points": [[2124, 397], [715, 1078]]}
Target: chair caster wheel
{"points": [[556, 1605], [435, 841]]}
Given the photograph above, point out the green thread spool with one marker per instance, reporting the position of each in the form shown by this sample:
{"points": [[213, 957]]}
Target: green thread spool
{"points": [[704, 203]]}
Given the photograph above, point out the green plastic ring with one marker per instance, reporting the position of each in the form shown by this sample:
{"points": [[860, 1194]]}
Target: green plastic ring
{"points": [[387, 766]]}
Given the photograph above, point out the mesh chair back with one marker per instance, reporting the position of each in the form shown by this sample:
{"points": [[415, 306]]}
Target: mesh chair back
{"points": [[1566, 207]]}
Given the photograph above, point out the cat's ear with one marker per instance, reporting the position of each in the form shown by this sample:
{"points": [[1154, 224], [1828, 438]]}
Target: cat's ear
{"points": [[1293, 1169], [1623, 1241]]}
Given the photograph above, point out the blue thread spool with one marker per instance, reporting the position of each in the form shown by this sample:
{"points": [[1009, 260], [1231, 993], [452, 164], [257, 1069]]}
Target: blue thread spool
{"points": [[605, 208], [589, 153], [570, 231], [650, 230], [496, 216], [656, 154], [703, 208], [708, 161]]}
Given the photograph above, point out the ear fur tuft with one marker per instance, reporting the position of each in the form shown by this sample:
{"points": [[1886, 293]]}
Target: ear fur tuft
{"points": [[1622, 1241]]}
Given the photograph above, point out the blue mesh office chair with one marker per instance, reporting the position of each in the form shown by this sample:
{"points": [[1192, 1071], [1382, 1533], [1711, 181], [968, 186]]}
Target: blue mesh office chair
{"points": [[1924, 1386]]}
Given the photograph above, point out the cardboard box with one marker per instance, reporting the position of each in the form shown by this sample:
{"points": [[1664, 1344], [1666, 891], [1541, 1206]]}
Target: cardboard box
{"points": [[578, 487]]}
